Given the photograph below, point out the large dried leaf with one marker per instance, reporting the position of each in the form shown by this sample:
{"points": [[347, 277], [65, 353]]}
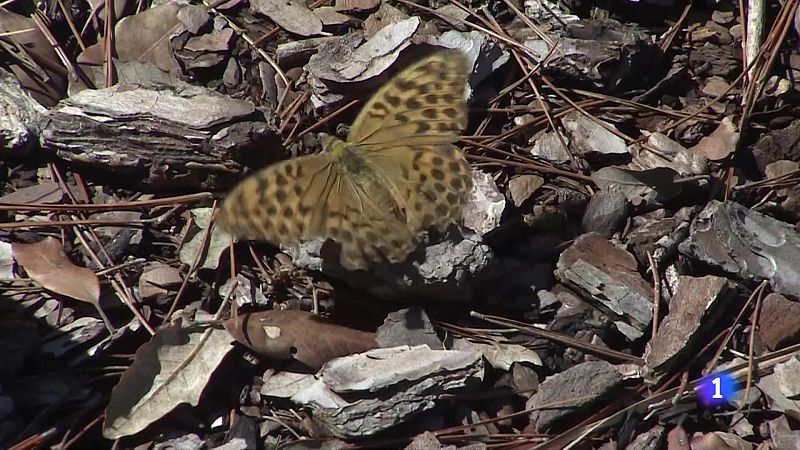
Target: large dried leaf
{"points": [[639, 185], [293, 16], [721, 143], [720, 441], [44, 192], [46, 262], [173, 368], [344, 61], [143, 37], [299, 335]]}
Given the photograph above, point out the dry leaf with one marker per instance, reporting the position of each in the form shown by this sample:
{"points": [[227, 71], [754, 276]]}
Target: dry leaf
{"points": [[354, 6], [721, 143], [720, 441], [780, 168], [192, 244], [142, 37], [297, 334], [678, 439], [6, 261], [173, 368], [639, 185], [523, 186], [44, 82], [46, 262], [501, 355], [294, 17], [158, 279], [44, 192]]}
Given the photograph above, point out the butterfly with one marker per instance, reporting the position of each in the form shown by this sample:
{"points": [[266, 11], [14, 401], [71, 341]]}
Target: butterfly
{"points": [[397, 174]]}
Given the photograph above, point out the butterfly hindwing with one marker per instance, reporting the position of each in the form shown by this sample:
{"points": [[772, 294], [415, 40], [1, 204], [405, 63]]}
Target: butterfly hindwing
{"points": [[273, 204]]}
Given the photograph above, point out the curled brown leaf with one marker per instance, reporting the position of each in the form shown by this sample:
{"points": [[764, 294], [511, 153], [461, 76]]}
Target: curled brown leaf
{"points": [[297, 334]]}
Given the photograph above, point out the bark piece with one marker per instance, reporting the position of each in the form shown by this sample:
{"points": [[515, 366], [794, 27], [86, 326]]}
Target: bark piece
{"points": [[609, 276], [485, 205], [694, 309], [604, 53], [19, 116], [169, 135], [360, 395], [746, 245], [778, 144], [778, 326]]}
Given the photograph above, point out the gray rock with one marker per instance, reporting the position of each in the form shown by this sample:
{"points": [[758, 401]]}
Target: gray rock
{"points": [[575, 389]]}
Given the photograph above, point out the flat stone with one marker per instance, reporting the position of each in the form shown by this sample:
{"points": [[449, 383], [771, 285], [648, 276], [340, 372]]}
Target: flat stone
{"points": [[575, 389], [410, 326], [606, 213], [788, 376]]}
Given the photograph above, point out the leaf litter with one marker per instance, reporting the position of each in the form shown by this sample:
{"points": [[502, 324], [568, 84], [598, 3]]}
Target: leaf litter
{"points": [[632, 228]]}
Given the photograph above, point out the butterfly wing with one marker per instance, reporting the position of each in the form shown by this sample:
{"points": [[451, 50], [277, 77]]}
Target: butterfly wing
{"points": [[362, 217], [310, 197], [430, 183], [405, 133], [423, 104], [275, 203]]}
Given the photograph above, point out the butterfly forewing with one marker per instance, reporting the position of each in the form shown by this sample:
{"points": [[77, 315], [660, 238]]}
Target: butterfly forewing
{"points": [[405, 133], [423, 104]]}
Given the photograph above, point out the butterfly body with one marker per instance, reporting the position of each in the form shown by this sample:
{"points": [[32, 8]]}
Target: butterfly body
{"points": [[397, 174]]}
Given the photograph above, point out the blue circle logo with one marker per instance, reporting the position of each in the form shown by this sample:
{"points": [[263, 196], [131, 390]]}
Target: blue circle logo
{"points": [[717, 389]]}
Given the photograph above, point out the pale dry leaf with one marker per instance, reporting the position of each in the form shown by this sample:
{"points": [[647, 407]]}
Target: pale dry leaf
{"points": [[379, 52], [6, 261], [158, 279], [639, 185], [299, 335], [397, 174], [46, 262], [384, 16], [781, 167], [669, 153], [354, 6], [678, 439], [330, 17], [522, 187], [501, 355], [589, 137], [172, 369], [721, 143], [293, 16], [217, 241]]}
